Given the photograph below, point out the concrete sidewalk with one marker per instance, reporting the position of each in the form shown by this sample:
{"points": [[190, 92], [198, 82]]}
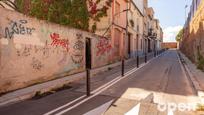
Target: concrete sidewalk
{"points": [[196, 75], [29, 92]]}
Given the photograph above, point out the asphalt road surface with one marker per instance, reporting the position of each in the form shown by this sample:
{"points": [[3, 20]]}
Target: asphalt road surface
{"points": [[162, 76]]}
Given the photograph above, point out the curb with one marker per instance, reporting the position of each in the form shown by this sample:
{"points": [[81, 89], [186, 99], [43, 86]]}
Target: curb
{"points": [[13, 97], [29, 92], [196, 85]]}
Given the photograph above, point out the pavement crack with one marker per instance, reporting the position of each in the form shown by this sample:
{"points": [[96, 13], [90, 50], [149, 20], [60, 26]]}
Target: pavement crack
{"points": [[164, 81]]}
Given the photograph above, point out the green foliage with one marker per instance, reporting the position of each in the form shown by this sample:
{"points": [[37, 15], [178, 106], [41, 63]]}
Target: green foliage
{"points": [[179, 35], [74, 13], [200, 64], [39, 9], [96, 13], [20, 5]]}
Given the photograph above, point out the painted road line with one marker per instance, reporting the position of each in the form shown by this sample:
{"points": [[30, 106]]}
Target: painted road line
{"points": [[83, 96], [135, 110], [127, 75], [101, 109], [61, 107], [96, 90], [74, 106]]}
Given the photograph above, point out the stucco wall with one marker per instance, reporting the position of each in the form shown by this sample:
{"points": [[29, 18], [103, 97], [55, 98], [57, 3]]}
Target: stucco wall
{"points": [[33, 51], [102, 51], [193, 42]]}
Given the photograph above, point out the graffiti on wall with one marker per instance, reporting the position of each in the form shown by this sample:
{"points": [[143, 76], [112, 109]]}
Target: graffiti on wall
{"points": [[63, 60], [103, 46], [18, 27], [25, 52], [46, 50], [77, 54], [36, 64], [56, 41]]}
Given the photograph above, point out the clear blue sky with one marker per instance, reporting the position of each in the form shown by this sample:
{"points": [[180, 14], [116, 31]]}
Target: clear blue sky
{"points": [[171, 14]]}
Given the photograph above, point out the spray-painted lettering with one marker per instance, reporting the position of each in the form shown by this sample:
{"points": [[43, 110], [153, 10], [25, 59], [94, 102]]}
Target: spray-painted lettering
{"points": [[78, 48], [18, 27], [103, 46], [56, 41]]}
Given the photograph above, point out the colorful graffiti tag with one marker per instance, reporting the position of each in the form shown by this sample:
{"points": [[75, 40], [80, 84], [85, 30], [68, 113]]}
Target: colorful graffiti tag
{"points": [[77, 54], [18, 27], [103, 46], [56, 41]]}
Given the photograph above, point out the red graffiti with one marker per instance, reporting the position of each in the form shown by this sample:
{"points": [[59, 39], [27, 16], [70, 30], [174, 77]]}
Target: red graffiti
{"points": [[103, 46], [59, 42], [93, 7]]}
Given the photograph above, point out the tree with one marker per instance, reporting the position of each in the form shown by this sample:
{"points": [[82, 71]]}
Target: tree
{"points": [[179, 35], [74, 13]]}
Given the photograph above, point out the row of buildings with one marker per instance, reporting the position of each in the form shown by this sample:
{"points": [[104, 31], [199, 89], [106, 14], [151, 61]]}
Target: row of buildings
{"points": [[192, 43], [35, 51], [132, 27]]}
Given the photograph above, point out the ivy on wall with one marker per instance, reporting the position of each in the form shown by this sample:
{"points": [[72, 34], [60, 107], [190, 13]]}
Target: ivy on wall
{"points": [[96, 12], [74, 13]]}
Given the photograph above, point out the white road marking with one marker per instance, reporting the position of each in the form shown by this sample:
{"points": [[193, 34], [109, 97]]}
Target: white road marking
{"points": [[170, 112], [61, 107], [105, 86], [100, 110], [83, 96], [134, 111]]}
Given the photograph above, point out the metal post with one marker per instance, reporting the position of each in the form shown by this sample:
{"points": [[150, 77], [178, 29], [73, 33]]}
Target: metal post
{"points": [[123, 67], [138, 61], [88, 82], [138, 51], [155, 48], [145, 57]]}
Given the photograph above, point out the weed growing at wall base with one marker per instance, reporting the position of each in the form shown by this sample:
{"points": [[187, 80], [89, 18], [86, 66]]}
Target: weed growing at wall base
{"points": [[200, 63]]}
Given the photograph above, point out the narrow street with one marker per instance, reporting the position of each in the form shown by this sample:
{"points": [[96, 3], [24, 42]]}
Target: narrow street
{"points": [[163, 76], [101, 57]]}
